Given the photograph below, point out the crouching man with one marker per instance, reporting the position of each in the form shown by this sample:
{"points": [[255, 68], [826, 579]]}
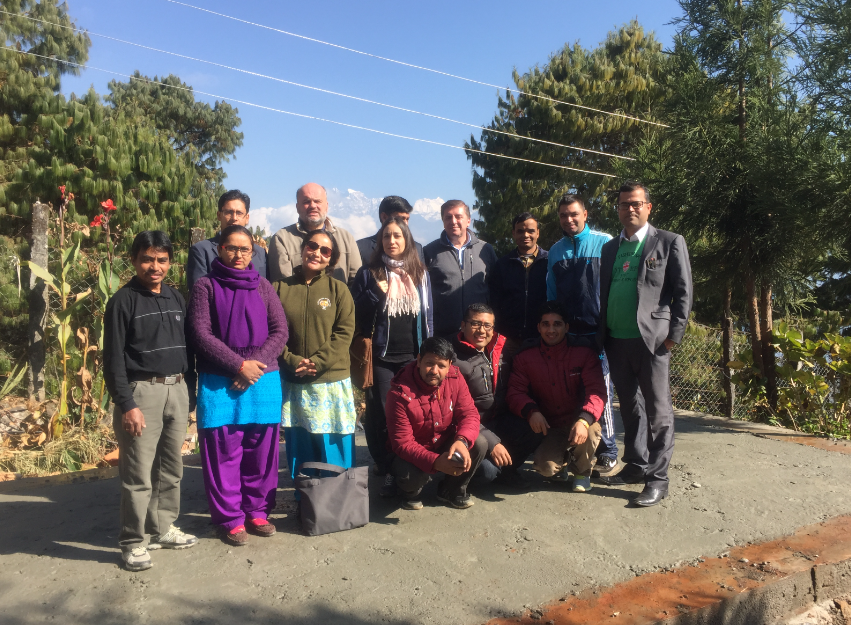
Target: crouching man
{"points": [[146, 369], [433, 427], [559, 392]]}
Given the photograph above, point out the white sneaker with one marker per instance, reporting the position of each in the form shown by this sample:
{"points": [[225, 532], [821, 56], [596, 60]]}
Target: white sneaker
{"points": [[137, 560], [581, 483], [172, 539]]}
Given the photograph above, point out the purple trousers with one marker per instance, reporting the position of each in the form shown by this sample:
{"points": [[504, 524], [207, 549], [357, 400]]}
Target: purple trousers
{"points": [[240, 465]]}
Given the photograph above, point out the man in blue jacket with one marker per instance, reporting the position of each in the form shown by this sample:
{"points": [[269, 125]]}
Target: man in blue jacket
{"points": [[573, 280]]}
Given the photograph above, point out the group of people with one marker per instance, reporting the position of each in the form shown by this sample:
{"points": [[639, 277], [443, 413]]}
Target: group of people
{"points": [[478, 362]]}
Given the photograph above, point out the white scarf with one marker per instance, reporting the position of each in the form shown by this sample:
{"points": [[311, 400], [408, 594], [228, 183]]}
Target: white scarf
{"points": [[402, 295]]}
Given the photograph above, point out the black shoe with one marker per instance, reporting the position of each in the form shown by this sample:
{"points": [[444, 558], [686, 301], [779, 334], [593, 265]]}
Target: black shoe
{"points": [[456, 501], [511, 478], [621, 480], [388, 489], [650, 496], [604, 466]]}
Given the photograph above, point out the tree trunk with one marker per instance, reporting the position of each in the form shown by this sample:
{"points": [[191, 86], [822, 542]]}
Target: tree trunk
{"points": [[727, 352], [196, 236], [753, 318], [38, 303], [769, 359]]}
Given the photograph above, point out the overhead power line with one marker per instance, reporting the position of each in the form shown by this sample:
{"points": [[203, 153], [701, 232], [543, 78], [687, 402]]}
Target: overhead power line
{"points": [[303, 116], [342, 95], [420, 67]]}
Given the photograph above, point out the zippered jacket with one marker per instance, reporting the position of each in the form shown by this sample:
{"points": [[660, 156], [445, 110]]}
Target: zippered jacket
{"points": [[321, 320], [561, 382], [517, 294], [372, 319], [573, 279], [454, 288], [421, 419]]}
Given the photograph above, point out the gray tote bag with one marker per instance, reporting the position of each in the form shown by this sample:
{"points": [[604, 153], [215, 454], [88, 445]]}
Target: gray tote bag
{"points": [[334, 503]]}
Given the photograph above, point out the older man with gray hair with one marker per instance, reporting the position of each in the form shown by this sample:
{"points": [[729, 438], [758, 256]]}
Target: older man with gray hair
{"points": [[458, 264], [285, 246]]}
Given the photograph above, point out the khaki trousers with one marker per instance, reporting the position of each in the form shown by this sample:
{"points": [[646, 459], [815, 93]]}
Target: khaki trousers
{"points": [[151, 466], [555, 452]]}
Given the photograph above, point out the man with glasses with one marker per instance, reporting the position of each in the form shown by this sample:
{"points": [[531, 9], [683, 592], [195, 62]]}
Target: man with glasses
{"points": [[233, 211], [285, 246], [573, 280], [645, 300], [478, 355]]}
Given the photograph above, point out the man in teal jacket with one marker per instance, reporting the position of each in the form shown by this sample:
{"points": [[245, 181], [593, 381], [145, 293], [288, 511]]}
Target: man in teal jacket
{"points": [[573, 280]]}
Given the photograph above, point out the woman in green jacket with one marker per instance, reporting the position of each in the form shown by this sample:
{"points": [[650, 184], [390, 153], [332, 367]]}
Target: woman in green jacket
{"points": [[318, 414]]}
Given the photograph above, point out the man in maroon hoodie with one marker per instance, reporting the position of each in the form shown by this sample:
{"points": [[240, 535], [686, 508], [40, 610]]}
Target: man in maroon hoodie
{"points": [[433, 427], [560, 392]]}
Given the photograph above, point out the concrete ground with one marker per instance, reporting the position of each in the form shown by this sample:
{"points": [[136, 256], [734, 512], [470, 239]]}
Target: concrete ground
{"points": [[510, 552]]}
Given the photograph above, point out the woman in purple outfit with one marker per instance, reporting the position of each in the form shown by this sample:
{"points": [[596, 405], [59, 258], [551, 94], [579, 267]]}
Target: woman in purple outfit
{"points": [[238, 329]]}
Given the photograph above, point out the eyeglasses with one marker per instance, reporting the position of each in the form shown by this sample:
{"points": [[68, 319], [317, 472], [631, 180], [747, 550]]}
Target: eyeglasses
{"points": [[625, 206], [324, 250], [232, 213], [480, 324], [233, 249]]}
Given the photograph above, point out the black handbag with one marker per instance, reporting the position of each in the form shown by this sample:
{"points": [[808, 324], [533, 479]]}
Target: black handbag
{"points": [[332, 503]]}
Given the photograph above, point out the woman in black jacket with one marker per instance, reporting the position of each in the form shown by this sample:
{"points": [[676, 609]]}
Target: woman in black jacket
{"points": [[393, 307]]}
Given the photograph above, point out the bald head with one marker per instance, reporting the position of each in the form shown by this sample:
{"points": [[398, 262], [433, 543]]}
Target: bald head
{"points": [[312, 205]]}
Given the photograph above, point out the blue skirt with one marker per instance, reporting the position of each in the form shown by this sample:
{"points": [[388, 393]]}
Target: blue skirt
{"points": [[218, 405]]}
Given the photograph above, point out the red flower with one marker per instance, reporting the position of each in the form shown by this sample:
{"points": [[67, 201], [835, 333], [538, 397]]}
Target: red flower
{"points": [[108, 206], [62, 190], [97, 221]]}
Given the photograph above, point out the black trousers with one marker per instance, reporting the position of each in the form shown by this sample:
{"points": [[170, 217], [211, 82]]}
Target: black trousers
{"points": [[642, 381], [374, 418], [410, 479], [517, 437]]}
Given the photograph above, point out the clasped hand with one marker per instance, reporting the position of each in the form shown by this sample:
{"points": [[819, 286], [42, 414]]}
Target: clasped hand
{"points": [[252, 370], [450, 467], [305, 367]]}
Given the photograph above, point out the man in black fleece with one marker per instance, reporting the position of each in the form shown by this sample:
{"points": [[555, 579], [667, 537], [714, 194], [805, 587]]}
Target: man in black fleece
{"points": [[147, 371]]}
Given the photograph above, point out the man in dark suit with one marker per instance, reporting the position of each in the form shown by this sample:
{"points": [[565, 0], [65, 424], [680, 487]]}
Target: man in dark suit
{"points": [[645, 300], [233, 211], [391, 206]]}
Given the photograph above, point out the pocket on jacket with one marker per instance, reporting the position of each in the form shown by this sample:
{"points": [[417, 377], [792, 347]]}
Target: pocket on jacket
{"points": [[660, 314]]}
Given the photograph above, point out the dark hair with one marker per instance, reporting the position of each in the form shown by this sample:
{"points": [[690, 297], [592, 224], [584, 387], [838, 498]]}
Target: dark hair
{"points": [[448, 206], [571, 198], [477, 309], [335, 249], [230, 230], [523, 217], [631, 185], [151, 239], [439, 347], [411, 262], [234, 194], [394, 204], [552, 307]]}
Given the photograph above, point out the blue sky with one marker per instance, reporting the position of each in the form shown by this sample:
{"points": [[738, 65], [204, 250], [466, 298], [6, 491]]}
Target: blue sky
{"points": [[476, 39]]}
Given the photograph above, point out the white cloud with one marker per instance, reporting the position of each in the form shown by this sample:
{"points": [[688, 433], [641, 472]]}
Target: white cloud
{"points": [[355, 212], [429, 209]]}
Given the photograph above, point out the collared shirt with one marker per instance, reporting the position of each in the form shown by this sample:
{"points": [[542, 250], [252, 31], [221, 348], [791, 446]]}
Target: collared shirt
{"points": [[528, 259], [460, 251], [638, 236]]}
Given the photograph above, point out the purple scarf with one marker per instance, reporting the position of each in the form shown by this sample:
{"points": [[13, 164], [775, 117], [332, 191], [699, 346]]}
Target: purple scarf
{"points": [[243, 322]]}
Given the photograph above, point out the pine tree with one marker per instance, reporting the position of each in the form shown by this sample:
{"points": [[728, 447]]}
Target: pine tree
{"points": [[623, 75]]}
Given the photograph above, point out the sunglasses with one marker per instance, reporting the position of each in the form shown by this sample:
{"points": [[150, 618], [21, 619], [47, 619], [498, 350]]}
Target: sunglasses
{"points": [[313, 246]]}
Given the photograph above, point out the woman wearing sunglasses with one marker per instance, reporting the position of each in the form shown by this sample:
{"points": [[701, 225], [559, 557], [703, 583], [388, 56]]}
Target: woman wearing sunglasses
{"points": [[318, 413], [393, 308], [238, 329]]}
